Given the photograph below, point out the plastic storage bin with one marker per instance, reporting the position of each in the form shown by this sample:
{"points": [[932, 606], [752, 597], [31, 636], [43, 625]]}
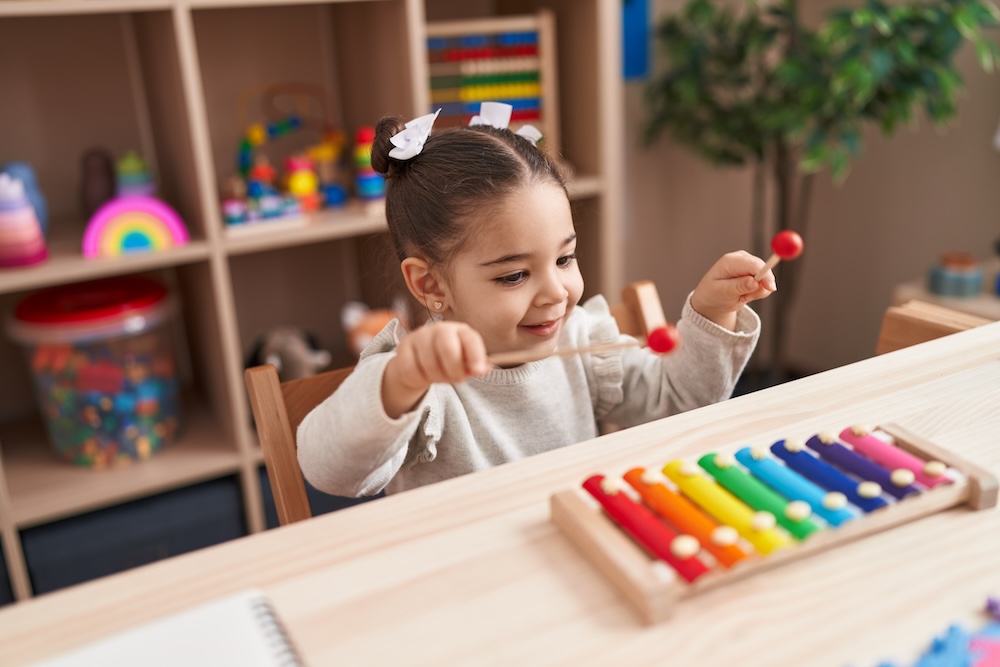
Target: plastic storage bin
{"points": [[103, 361]]}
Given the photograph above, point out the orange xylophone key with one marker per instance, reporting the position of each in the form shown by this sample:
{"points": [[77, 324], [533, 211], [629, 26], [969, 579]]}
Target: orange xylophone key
{"points": [[718, 540]]}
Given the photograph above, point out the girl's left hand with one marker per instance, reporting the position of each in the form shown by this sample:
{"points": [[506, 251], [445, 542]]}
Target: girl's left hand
{"points": [[729, 285]]}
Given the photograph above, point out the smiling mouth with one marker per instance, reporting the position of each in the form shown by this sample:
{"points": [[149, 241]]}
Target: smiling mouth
{"points": [[542, 328]]}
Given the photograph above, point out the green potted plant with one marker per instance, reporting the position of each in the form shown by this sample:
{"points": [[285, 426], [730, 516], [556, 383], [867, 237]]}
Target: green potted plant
{"points": [[757, 86]]}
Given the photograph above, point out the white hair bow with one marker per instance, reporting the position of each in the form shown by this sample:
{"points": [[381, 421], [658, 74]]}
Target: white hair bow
{"points": [[497, 114], [410, 140]]}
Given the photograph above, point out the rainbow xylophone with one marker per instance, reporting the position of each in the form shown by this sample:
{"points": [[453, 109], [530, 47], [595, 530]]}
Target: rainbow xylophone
{"points": [[662, 536]]}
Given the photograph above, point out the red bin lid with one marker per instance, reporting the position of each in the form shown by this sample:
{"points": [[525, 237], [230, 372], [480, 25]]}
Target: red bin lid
{"points": [[90, 301]]}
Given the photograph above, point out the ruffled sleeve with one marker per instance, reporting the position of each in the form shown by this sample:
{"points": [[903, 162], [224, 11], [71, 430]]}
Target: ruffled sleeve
{"points": [[594, 325], [348, 445]]}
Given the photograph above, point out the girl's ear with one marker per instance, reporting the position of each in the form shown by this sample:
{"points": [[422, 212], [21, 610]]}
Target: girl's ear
{"points": [[424, 284]]}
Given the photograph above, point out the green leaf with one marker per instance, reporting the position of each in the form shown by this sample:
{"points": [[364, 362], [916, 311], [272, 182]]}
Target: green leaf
{"points": [[966, 23], [882, 64], [984, 53], [851, 138], [883, 25], [862, 18], [906, 53]]}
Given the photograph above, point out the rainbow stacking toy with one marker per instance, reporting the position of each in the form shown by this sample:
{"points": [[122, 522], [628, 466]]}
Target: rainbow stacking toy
{"points": [[21, 239], [133, 224]]}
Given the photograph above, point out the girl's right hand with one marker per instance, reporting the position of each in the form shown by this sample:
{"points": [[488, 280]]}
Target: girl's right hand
{"points": [[436, 352]]}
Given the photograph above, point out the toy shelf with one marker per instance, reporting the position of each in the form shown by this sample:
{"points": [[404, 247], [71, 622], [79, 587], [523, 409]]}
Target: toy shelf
{"points": [[174, 80], [41, 492], [353, 220], [66, 264]]}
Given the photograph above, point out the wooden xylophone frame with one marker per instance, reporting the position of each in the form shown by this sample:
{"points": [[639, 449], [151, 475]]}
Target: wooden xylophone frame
{"points": [[654, 589]]}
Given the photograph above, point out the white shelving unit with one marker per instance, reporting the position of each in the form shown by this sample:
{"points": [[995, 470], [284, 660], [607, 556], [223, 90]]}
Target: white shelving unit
{"points": [[165, 78]]}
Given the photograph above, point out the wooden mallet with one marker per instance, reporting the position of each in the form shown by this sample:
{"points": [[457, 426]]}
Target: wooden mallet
{"points": [[662, 340], [785, 245]]}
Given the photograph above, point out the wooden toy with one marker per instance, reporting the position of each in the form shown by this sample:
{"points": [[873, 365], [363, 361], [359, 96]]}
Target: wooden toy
{"points": [[785, 245], [508, 59], [368, 184], [97, 180], [133, 224], [754, 512], [662, 340], [22, 242], [22, 171]]}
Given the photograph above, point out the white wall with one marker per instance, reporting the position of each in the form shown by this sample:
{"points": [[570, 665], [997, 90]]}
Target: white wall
{"points": [[907, 199]]}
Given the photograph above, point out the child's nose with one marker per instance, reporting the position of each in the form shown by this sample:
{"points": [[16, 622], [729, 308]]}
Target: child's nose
{"points": [[552, 289]]}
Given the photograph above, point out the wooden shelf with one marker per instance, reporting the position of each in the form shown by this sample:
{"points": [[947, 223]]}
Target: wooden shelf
{"points": [[44, 488], [355, 219], [67, 264], [62, 7], [175, 80]]}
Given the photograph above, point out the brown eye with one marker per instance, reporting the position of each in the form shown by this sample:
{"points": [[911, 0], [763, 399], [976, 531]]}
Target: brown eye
{"points": [[566, 260], [512, 279]]}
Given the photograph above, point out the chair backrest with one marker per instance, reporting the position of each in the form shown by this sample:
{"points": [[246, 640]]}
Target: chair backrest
{"points": [[918, 321], [278, 408]]}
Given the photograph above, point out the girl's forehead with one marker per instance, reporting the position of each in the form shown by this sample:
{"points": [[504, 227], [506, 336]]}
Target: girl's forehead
{"points": [[531, 218]]}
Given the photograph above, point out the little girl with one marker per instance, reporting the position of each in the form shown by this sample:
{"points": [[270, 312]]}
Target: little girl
{"points": [[482, 225]]}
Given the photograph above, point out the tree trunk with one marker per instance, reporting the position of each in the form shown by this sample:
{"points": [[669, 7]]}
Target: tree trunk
{"points": [[783, 176]]}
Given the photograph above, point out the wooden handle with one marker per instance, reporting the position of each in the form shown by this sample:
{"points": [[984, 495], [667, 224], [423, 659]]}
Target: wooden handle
{"points": [[524, 356], [770, 264]]}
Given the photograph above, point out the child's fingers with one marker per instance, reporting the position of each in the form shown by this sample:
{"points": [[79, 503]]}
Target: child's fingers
{"points": [[474, 352], [759, 288], [449, 357]]}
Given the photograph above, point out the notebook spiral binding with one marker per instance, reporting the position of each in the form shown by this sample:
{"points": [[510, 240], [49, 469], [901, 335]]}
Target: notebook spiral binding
{"points": [[277, 637]]}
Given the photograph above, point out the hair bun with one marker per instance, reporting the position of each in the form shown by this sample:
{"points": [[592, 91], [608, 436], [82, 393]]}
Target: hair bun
{"points": [[387, 127]]}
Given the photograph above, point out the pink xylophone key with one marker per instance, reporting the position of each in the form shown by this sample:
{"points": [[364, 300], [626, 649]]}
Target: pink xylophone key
{"points": [[926, 473]]}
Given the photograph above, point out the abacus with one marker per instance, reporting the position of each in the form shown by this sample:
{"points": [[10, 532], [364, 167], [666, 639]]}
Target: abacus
{"points": [[661, 537], [508, 59]]}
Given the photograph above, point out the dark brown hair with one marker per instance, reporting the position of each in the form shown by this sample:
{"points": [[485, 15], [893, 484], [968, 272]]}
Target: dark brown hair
{"points": [[432, 198]]}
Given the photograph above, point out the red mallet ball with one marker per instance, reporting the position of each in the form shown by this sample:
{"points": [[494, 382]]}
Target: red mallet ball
{"points": [[787, 244], [663, 339]]}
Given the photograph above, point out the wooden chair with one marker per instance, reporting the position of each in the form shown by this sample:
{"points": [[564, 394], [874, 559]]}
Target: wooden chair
{"points": [[918, 321], [279, 408]]}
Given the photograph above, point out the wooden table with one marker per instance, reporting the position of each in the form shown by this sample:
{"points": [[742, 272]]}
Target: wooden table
{"points": [[472, 571], [985, 304]]}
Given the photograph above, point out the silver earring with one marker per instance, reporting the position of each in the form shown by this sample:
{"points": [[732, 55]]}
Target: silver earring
{"points": [[438, 305]]}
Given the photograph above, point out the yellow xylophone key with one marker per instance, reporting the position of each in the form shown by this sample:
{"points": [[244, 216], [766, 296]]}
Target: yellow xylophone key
{"points": [[758, 528]]}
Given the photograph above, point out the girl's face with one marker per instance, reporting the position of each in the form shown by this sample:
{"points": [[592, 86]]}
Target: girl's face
{"points": [[517, 279]]}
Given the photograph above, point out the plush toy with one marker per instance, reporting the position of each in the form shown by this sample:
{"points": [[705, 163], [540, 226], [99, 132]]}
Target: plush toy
{"points": [[361, 322], [292, 351]]}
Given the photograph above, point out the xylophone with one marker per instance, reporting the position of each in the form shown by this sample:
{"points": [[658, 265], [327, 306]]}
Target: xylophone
{"points": [[662, 536]]}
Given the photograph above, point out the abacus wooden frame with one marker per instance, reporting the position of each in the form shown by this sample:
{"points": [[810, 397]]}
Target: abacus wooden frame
{"points": [[542, 22]]}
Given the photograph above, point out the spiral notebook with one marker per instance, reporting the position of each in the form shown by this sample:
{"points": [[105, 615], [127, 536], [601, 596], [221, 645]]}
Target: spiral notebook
{"points": [[240, 629]]}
